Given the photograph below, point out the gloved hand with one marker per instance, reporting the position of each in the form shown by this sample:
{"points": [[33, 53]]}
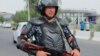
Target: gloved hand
{"points": [[42, 53], [75, 52]]}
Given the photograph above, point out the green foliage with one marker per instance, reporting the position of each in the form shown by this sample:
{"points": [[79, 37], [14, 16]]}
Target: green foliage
{"points": [[2, 19], [68, 19], [92, 27], [20, 16], [98, 27], [32, 8], [95, 27]]}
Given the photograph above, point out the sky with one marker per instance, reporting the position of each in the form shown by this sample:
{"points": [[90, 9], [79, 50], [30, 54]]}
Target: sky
{"points": [[91, 5], [12, 6]]}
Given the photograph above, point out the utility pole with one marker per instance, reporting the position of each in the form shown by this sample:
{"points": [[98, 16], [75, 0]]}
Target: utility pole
{"points": [[28, 10]]}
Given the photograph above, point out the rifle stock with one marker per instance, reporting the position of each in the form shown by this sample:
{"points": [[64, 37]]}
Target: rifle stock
{"points": [[33, 46], [66, 54], [37, 47]]}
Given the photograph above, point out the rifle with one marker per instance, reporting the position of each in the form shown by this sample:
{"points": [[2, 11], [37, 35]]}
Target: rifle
{"points": [[52, 51]]}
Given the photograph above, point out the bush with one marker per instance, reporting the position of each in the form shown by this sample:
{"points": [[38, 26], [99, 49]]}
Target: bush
{"points": [[68, 19], [95, 27], [98, 27], [92, 27]]}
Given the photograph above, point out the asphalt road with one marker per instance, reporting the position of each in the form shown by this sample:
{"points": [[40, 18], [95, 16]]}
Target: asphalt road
{"points": [[7, 48]]}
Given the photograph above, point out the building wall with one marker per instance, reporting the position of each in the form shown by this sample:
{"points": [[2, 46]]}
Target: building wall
{"points": [[98, 20], [81, 15], [74, 17]]}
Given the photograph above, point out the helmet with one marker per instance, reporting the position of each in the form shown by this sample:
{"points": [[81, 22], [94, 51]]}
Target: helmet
{"points": [[46, 3], [49, 3]]}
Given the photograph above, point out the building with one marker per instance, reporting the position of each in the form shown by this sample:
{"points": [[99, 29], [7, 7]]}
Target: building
{"points": [[6, 15], [79, 15], [98, 19]]}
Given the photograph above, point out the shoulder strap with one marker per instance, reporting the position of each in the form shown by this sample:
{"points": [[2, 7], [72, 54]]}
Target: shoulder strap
{"points": [[64, 37], [60, 28]]}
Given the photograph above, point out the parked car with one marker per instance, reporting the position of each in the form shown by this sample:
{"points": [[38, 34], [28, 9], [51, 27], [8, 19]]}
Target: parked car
{"points": [[17, 31], [0, 24], [6, 25]]}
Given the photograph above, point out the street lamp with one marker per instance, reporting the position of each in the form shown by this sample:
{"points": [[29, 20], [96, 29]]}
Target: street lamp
{"points": [[28, 10]]}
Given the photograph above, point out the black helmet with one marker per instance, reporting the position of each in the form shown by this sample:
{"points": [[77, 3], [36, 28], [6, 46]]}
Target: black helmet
{"points": [[46, 3], [49, 2]]}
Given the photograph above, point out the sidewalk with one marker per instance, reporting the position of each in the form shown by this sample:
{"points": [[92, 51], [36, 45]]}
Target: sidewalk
{"points": [[86, 35]]}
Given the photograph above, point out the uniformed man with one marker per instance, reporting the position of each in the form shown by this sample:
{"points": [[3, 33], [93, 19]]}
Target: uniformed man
{"points": [[48, 32]]}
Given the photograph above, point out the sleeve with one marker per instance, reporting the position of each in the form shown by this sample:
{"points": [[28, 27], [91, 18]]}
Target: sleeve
{"points": [[23, 35], [66, 30], [69, 36], [28, 30]]}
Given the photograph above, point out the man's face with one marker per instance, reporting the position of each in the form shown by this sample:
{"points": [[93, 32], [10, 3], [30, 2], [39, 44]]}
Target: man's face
{"points": [[50, 11]]}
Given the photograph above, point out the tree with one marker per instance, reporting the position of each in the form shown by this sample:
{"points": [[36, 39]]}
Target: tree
{"points": [[20, 16], [2, 19], [32, 8]]}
